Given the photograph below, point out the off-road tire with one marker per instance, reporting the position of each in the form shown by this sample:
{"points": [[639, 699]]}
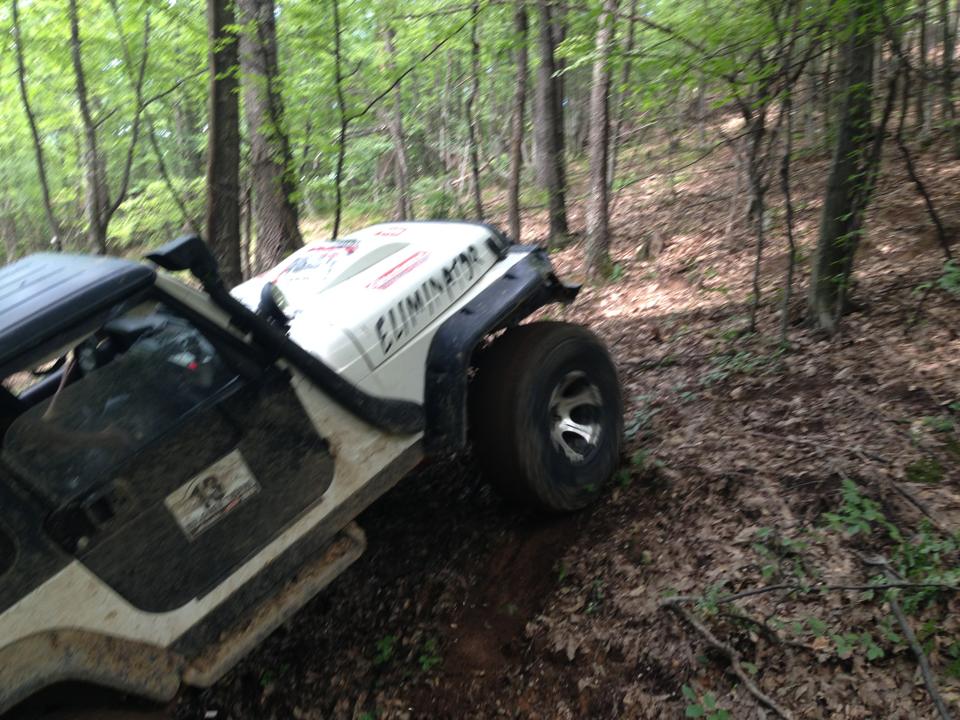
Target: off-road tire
{"points": [[521, 380]]}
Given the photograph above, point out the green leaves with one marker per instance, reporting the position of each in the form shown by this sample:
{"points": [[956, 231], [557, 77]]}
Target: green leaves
{"points": [[704, 706]]}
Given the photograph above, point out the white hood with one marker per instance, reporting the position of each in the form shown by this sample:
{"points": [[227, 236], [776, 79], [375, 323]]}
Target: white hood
{"points": [[363, 297]]}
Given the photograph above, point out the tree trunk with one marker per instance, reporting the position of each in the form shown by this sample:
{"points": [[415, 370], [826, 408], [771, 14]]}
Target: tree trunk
{"points": [[949, 106], [812, 74], [471, 115], [8, 219], [548, 127], [617, 131], [187, 128], [920, 94], [516, 129], [223, 154], [401, 174], [96, 201], [246, 233], [52, 223], [845, 196], [100, 208], [344, 121], [597, 211], [271, 161], [446, 156]]}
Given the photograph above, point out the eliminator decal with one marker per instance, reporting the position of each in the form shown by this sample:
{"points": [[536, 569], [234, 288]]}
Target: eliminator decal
{"points": [[426, 301]]}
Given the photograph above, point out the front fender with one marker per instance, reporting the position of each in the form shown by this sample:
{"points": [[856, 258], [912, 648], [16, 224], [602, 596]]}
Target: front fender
{"points": [[528, 285]]}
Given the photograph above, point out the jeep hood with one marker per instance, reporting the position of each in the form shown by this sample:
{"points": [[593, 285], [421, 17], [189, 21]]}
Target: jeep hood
{"points": [[360, 299]]}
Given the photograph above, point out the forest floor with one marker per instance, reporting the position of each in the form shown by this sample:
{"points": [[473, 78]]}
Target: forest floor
{"points": [[464, 606]]}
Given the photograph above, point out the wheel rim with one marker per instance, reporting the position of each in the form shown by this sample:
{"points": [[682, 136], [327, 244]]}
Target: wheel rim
{"points": [[575, 412]]}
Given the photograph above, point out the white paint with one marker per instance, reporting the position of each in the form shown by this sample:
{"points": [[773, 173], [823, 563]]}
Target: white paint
{"points": [[361, 299]]}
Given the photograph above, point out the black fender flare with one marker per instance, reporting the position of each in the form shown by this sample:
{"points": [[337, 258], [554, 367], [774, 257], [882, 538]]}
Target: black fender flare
{"points": [[528, 285]]}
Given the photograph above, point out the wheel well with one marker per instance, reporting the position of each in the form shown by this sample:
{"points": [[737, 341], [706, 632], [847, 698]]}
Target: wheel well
{"points": [[79, 700], [526, 286], [46, 659]]}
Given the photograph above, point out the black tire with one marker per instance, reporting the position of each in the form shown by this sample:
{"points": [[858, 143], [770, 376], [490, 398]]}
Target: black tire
{"points": [[523, 400]]}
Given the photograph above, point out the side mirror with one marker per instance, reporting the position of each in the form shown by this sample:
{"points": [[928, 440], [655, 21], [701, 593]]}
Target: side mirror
{"points": [[273, 305], [191, 253]]}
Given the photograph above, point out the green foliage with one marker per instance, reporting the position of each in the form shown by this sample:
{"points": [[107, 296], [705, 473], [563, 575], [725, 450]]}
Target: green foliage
{"points": [[926, 470], [385, 649], [641, 464], [642, 419], [849, 643], [741, 362], [437, 202], [940, 423], [151, 216], [926, 560], [949, 281], [596, 597], [784, 556], [703, 706], [429, 656]]}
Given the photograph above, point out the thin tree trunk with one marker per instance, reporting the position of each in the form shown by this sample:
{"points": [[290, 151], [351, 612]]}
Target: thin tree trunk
{"points": [[445, 135], [472, 128], [911, 167], [617, 131], [223, 154], [758, 206], [246, 242], [949, 106], [788, 207], [841, 220], [549, 128], [189, 222], [95, 174], [597, 211], [827, 96], [521, 24], [8, 228], [810, 106], [272, 175], [187, 128], [52, 223], [100, 209], [344, 121], [920, 95], [558, 33], [401, 174]]}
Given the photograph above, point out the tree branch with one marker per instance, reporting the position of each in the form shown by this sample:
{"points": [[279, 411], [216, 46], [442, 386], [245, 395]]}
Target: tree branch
{"points": [[928, 678], [730, 654]]}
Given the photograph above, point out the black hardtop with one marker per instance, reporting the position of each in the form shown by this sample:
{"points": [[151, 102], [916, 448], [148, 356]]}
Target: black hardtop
{"points": [[43, 295]]}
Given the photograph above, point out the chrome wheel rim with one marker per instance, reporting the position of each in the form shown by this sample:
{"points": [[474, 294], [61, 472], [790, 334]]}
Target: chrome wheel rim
{"points": [[575, 412]]}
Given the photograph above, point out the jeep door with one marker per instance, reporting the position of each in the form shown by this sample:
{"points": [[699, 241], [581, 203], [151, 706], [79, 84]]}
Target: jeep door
{"points": [[165, 455]]}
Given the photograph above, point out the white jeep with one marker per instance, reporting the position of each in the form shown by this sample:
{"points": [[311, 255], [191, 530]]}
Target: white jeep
{"points": [[181, 468]]}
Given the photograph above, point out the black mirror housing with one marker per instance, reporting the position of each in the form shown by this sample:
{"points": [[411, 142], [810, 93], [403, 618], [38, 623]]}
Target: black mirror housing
{"points": [[188, 252]]}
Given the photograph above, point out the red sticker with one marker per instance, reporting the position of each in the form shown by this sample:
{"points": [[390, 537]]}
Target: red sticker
{"points": [[390, 231], [389, 277]]}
